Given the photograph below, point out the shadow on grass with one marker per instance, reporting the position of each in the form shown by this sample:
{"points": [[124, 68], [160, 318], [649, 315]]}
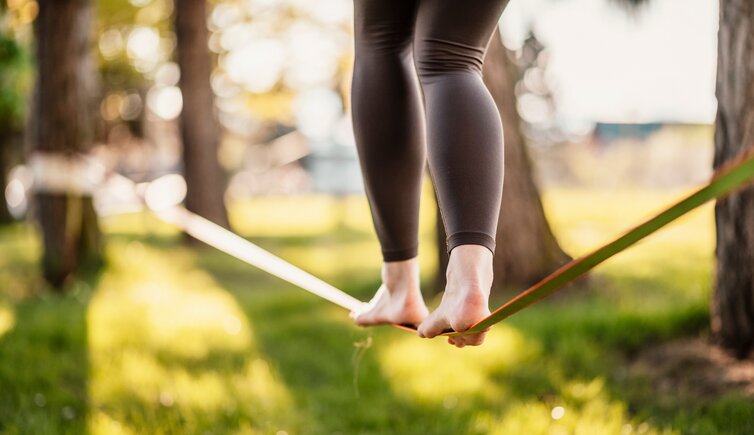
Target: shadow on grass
{"points": [[44, 364]]}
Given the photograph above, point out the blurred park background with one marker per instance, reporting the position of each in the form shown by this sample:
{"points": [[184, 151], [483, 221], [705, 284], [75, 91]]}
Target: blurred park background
{"points": [[112, 321]]}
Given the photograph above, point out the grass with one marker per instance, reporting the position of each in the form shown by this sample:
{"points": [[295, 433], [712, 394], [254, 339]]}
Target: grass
{"points": [[169, 339]]}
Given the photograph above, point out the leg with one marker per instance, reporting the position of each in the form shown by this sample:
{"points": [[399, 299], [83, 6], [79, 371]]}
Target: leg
{"points": [[465, 145], [389, 131]]}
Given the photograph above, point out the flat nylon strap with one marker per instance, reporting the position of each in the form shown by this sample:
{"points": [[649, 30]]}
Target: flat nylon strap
{"points": [[726, 179], [246, 251], [236, 246]]}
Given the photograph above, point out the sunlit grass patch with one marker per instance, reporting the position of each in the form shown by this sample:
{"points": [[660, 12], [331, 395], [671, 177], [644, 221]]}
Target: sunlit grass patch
{"points": [[433, 371], [7, 318], [315, 214], [671, 267], [137, 224], [599, 415], [164, 338], [19, 269], [584, 220]]}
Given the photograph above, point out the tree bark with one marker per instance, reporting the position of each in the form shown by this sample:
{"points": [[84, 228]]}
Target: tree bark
{"points": [[526, 248], [733, 299], [200, 129], [8, 153], [62, 123]]}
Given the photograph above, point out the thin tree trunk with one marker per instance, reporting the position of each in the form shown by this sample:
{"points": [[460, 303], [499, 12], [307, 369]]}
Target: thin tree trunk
{"points": [[733, 300], [199, 126], [8, 151], [62, 123], [526, 247]]}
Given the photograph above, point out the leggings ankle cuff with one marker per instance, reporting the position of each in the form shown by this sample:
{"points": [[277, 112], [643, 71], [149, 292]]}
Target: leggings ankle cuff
{"points": [[399, 254], [471, 238]]}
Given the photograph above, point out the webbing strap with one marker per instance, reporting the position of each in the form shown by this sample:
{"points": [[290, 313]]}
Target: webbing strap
{"points": [[236, 246], [726, 179]]}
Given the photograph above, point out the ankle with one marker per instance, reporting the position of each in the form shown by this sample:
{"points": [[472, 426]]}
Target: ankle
{"points": [[470, 267], [400, 276]]}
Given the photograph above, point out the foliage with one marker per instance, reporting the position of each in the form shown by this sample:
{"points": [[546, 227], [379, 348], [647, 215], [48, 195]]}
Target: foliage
{"points": [[173, 340], [15, 81]]}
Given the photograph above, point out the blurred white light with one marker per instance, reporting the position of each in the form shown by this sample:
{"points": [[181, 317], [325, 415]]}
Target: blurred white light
{"points": [[257, 7], [165, 101], [15, 194], [317, 111], [237, 36], [313, 56], [23, 174], [111, 43], [326, 11], [533, 109], [334, 11], [130, 107], [167, 74], [535, 81], [223, 86], [224, 15], [165, 192], [143, 44], [557, 412], [257, 66], [20, 180], [140, 3]]}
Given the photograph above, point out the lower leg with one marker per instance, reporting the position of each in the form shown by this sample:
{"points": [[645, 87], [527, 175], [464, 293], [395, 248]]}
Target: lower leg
{"points": [[466, 161], [389, 130], [465, 147]]}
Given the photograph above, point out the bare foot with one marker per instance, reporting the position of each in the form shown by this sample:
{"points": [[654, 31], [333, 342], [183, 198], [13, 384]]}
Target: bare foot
{"points": [[466, 297], [398, 300]]}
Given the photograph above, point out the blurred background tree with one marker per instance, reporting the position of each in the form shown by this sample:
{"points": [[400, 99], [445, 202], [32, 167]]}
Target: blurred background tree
{"points": [[15, 85], [733, 300], [62, 123], [732, 308], [200, 130]]}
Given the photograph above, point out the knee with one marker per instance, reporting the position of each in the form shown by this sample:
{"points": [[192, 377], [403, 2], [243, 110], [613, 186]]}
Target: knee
{"points": [[437, 57], [383, 40]]}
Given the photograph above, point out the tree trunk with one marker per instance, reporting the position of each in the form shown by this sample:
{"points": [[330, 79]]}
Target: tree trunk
{"points": [[62, 123], [200, 129], [733, 300], [526, 248], [8, 153]]}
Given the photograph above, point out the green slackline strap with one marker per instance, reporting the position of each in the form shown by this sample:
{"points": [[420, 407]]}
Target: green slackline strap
{"points": [[727, 178]]}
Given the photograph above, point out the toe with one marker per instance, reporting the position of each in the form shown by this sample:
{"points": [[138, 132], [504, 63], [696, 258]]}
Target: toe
{"points": [[474, 339], [433, 326], [365, 318]]}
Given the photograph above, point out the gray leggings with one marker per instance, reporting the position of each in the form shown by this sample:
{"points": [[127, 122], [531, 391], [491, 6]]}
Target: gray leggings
{"points": [[443, 44]]}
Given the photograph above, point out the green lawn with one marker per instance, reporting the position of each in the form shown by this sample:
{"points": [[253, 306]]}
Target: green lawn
{"points": [[169, 339]]}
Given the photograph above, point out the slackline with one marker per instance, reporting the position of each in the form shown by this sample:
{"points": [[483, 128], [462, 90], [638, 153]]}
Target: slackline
{"points": [[727, 178], [236, 246]]}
